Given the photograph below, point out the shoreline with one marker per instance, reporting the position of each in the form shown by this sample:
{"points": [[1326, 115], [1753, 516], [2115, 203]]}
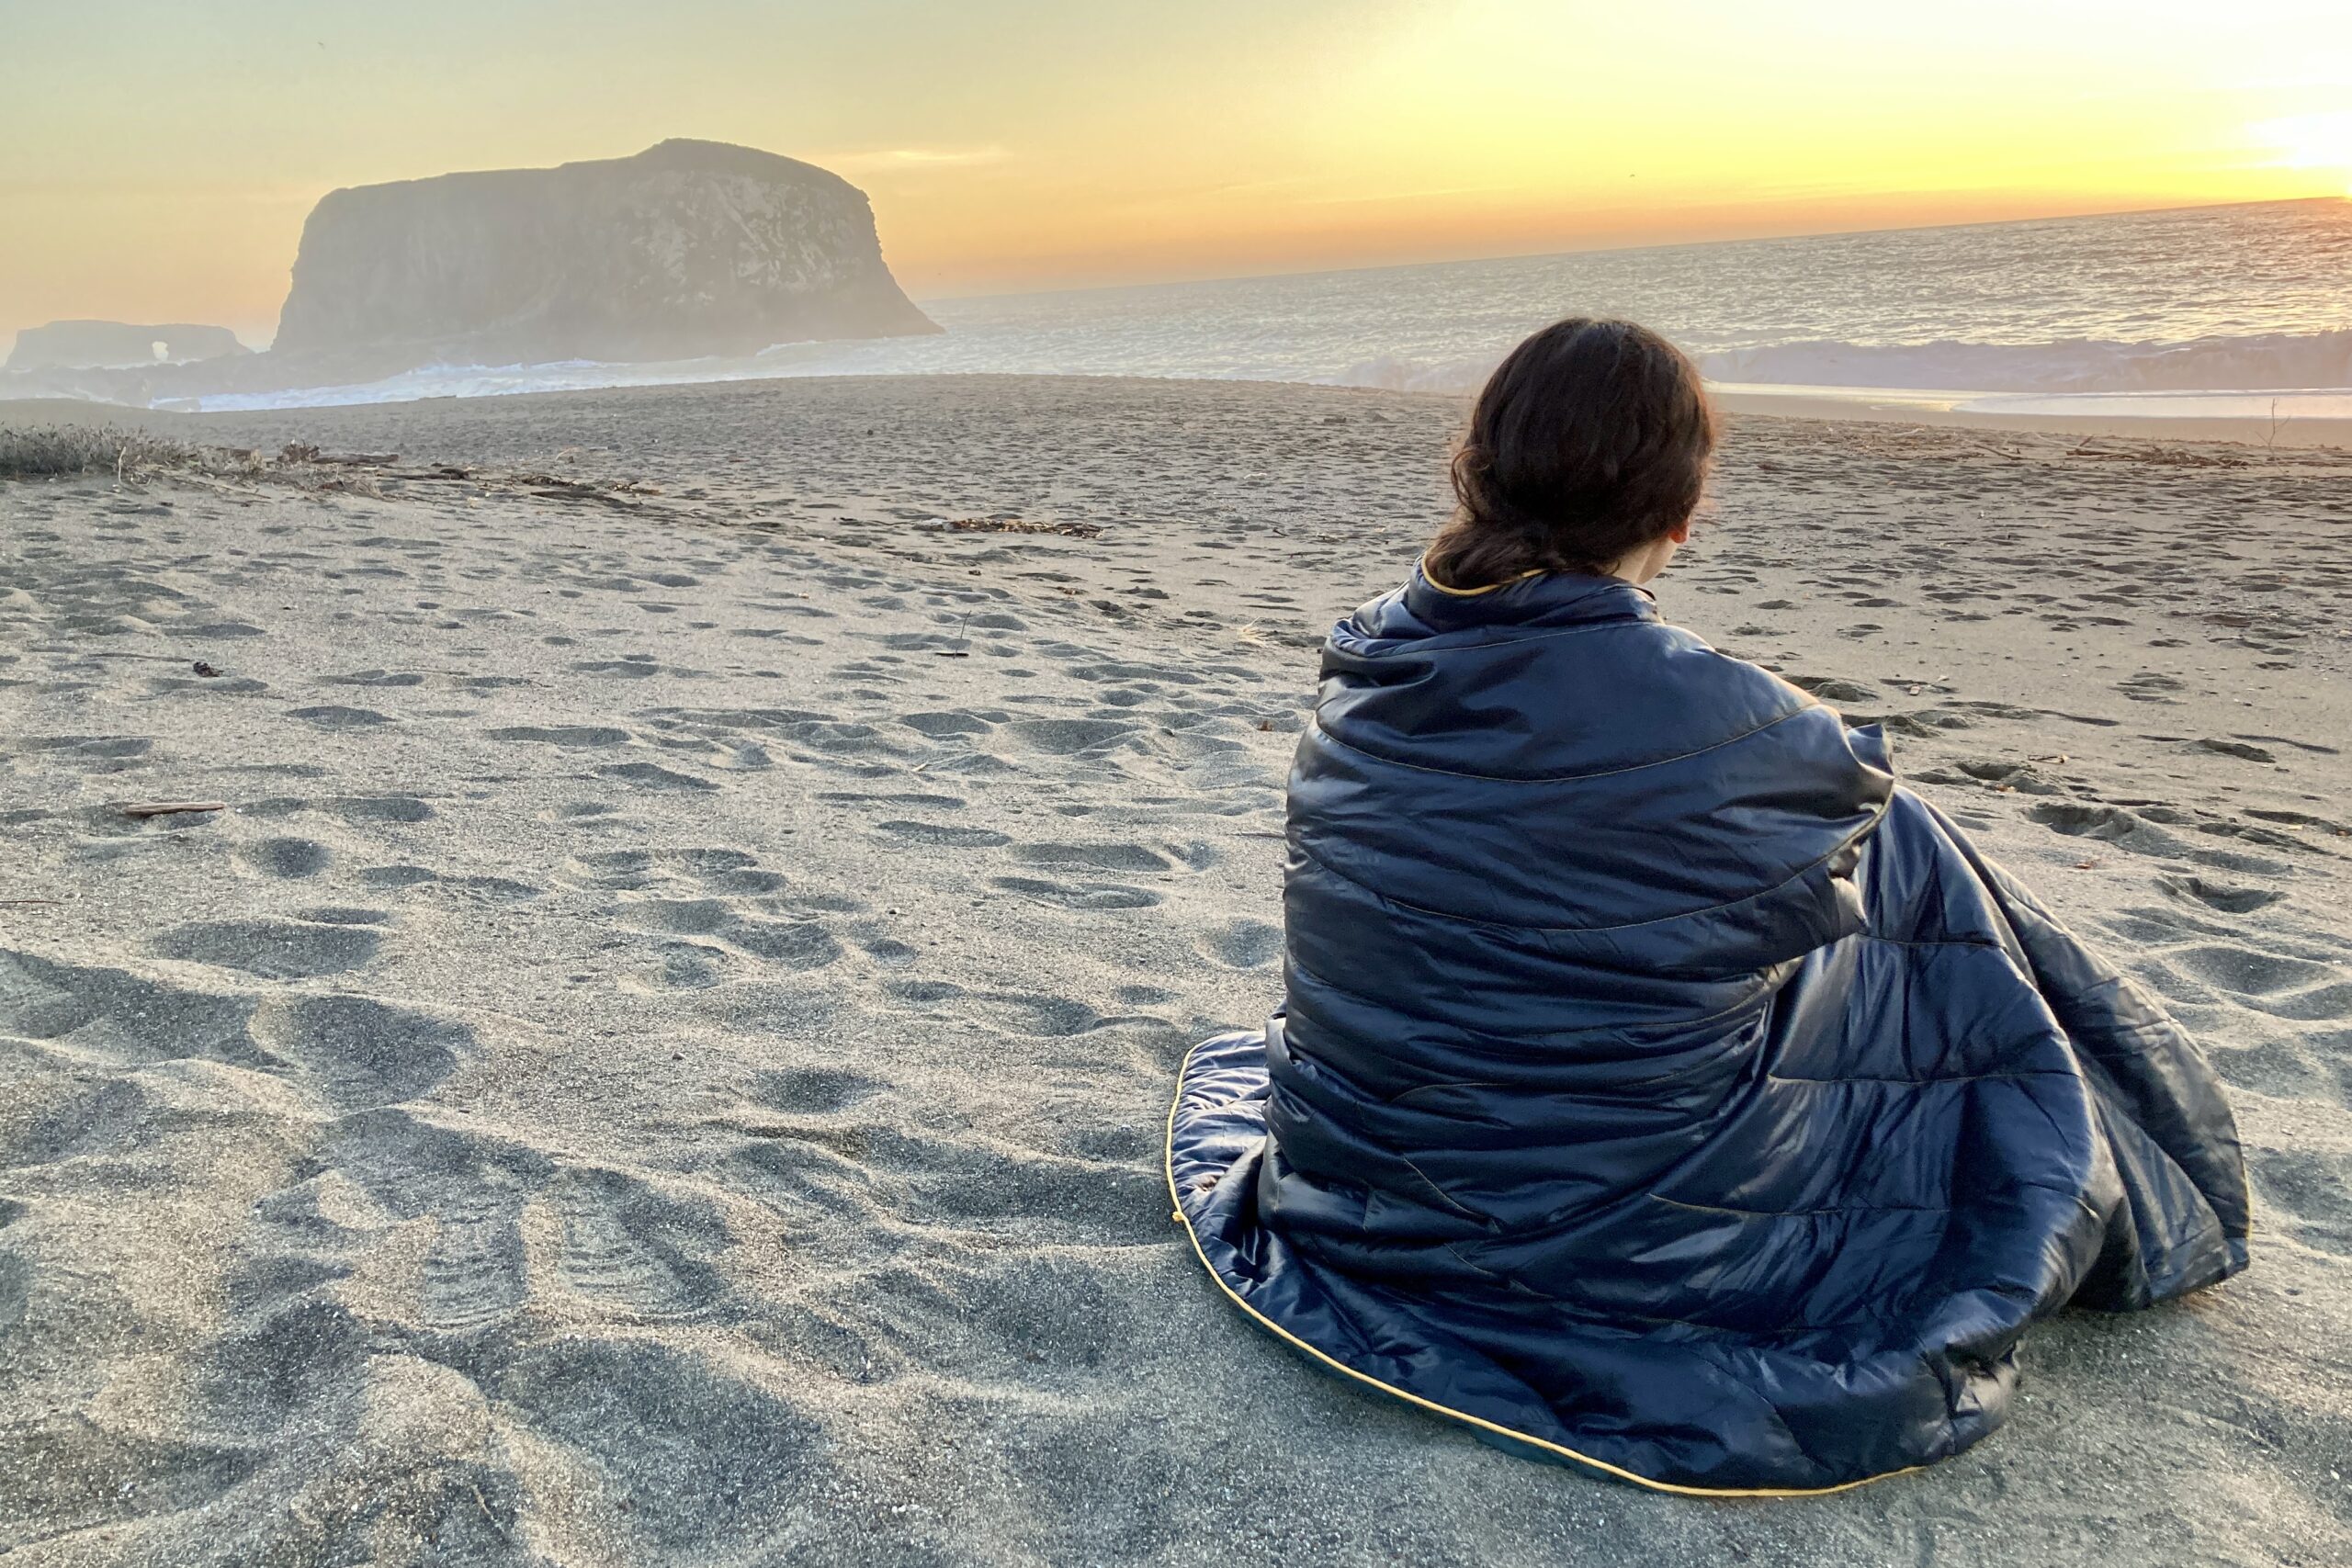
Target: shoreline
{"points": [[1928, 409], [1931, 410]]}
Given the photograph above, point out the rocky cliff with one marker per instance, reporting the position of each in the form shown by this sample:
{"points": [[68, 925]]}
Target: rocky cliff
{"points": [[689, 248], [92, 345]]}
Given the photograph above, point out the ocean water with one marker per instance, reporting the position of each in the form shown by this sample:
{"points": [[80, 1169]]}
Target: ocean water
{"points": [[2200, 310]]}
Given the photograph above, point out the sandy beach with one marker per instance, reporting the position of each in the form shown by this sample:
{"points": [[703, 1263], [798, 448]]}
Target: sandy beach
{"points": [[662, 1057]]}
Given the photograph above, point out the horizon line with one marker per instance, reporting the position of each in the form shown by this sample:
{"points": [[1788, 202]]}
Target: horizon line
{"points": [[1638, 246], [1508, 256]]}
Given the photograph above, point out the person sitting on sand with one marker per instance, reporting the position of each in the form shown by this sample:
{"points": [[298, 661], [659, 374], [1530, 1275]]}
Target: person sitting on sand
{"points": [[1660, 1086]]}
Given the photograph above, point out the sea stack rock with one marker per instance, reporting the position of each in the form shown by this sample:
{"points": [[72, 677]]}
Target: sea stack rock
{"points": [[107, 345], [687, 249]]}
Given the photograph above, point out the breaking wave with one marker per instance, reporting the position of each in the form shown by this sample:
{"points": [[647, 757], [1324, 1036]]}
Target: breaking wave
{"points": [[2264, 363]]}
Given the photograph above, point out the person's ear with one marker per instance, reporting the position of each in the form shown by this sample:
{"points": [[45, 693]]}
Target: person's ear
{"points": [[1680, 532]]}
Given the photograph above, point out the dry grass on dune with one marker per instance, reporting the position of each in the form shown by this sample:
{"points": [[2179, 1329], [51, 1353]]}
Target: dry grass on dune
{"points": [[70, 451], [45, 452], [49, 452]]}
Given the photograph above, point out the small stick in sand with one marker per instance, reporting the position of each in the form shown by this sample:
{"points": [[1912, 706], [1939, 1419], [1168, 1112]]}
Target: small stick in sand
{"points": [[171, 808], [956, 652], [483, 1504]]}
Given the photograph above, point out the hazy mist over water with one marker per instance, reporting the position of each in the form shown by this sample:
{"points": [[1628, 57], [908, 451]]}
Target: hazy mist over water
{"points": [[2138, 308]]}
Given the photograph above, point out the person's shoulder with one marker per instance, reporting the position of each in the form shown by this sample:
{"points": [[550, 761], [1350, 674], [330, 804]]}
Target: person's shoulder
{"points": [[1692, 658]]}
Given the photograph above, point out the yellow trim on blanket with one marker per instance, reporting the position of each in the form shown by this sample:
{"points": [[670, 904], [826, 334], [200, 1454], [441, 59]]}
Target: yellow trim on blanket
{"points": [[1176, 1199], [1431, 578]]}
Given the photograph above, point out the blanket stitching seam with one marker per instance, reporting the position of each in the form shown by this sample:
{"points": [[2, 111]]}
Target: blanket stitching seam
{"points": [[1808, 706], [1798, 875]]}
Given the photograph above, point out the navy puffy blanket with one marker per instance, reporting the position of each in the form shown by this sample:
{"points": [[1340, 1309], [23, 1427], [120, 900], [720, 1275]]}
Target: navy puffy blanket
{"points": [[1661, 1088]]}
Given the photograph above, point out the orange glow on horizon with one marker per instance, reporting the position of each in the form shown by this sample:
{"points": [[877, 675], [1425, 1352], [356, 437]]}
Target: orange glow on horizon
{"points": [[161, 171], [939, 265]]}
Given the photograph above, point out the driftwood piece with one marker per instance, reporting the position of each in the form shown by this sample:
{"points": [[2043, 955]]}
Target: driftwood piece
{"points": [[303, 452], [171, 808], [584, 492], [1023, 525]]}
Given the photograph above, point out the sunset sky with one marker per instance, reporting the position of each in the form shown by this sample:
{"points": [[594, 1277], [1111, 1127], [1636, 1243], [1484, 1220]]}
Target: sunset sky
{"points": [[157, 159]]}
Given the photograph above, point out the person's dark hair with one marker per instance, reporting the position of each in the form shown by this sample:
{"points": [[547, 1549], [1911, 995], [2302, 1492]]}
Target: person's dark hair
{"points": [[1591, 439]]}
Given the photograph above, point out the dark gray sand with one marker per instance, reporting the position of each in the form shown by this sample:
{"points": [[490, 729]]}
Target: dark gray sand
{"points": [[661, 1059]]}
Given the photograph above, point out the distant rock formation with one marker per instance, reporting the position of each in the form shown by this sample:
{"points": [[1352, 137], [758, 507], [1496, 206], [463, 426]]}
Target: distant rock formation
{"points": [[107, 346], [687, 249]]}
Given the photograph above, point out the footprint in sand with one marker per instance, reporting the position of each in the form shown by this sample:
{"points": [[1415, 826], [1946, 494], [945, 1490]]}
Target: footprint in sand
{"points": [[617, 1239], [709, 931], [1022, 1012], [2312, 1187], [947, 723], [633, 667], [350, 1052], [814, 1090], [903, 802], [941, 835], [685, 966], [272, 950], [115, 1018], [334, 718], [713, 870], [2219, 895], [1832, 689], [355, 1054], [1071, 736], [653, 776], [1242, 945], [1128, 858], [614, 1246], [473, 1271], [468, 1190], [995, 1187], [290, 859], [373, 678], [887, 951], [2273, 983], [358, 810], [2245, 751], [795, 944], [2151, 687], [1078, 894], [737, 1455], [2108, 824], [563, 735], [91, 753], [389, 877]]}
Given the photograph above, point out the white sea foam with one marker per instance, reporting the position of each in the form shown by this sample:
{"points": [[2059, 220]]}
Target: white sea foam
{"points": [[466, 381], [2262, 362], [2277, 408], [2265, 362]]}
